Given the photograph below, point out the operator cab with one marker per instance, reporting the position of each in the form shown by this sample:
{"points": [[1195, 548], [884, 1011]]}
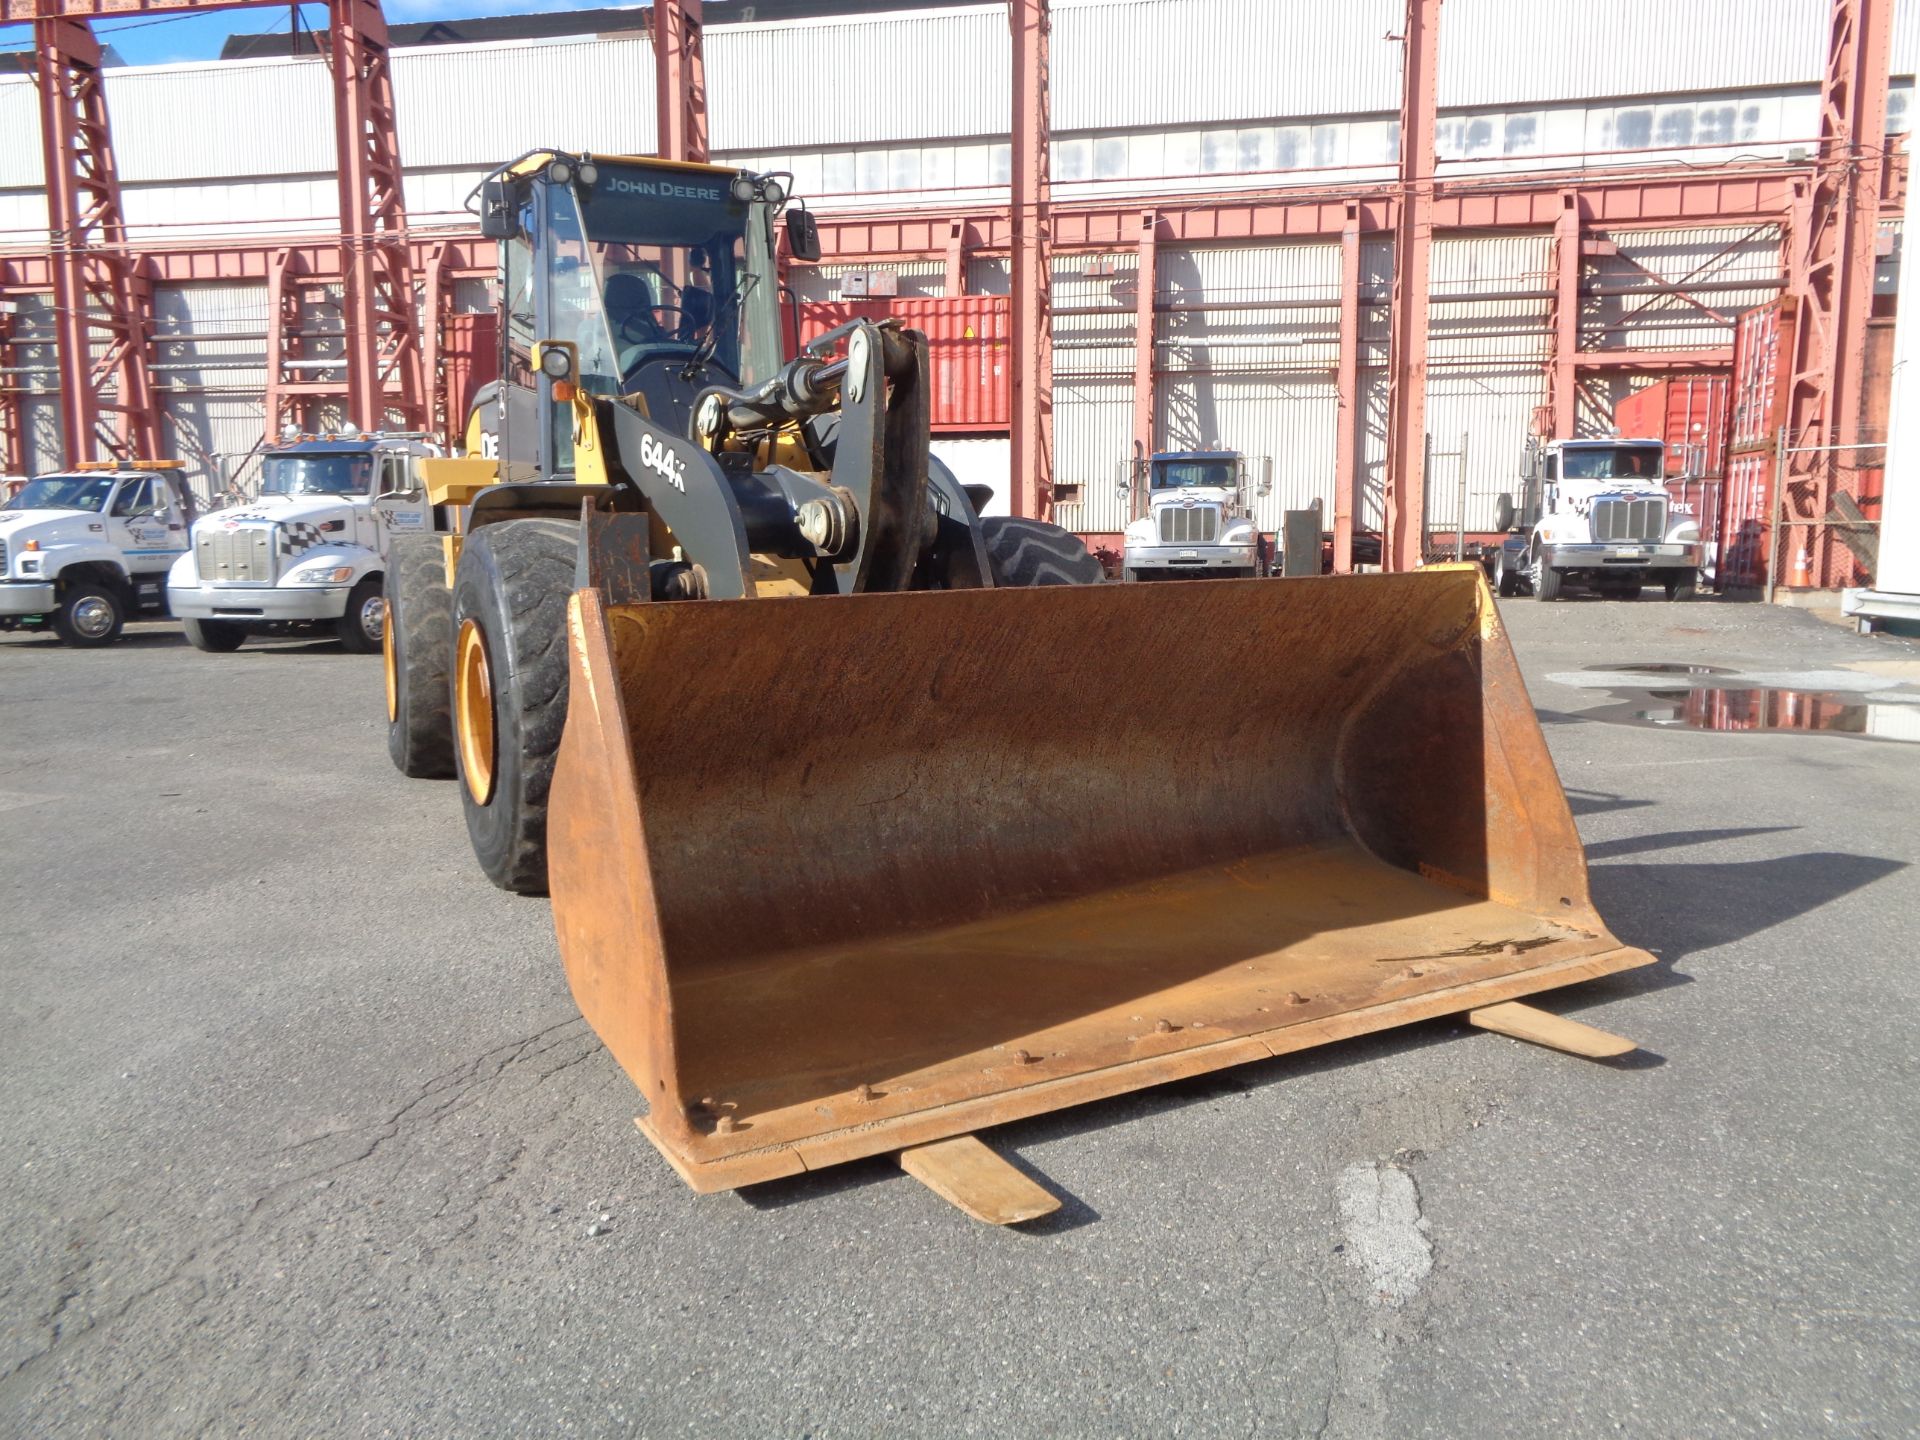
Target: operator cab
{"points": [[658, 275]]}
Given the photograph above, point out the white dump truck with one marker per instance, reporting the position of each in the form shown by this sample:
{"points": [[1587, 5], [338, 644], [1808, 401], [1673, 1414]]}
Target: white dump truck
{"points": [[84, 550], [1198, 524], [310, 549], [1595, 513]]}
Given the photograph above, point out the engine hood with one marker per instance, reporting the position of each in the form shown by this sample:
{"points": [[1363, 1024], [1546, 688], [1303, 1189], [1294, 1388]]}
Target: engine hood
{"points": [[50, 526], [288, 510], [1188, 499]]}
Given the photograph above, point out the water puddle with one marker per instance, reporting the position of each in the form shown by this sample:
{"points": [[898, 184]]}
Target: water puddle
{"points": [[1712, 697]]}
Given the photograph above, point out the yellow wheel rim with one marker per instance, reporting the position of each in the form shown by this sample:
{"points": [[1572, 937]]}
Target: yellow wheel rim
{"points": [[391, 665], [473, 711]]}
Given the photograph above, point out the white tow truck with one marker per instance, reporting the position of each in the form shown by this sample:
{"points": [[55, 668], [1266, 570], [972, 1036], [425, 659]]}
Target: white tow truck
{"points": [[1198, 525], [310, 549], [1595, 513], [84, 550]]}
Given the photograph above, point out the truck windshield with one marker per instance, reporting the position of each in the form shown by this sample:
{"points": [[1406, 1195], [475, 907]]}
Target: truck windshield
{"points": [[316, 474], [64, 492], [661, 263], [1612, 462], [1181, 474]]}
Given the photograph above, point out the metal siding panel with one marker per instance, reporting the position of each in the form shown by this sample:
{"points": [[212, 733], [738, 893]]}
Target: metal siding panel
{"points": [[1649, 322], [575, 94], [20, 162], [1121, 64], [225, 118], [1492, 407], [1477, 331], [957, 63], [1501, 51], [919, 279], [23, 219], [1092, 439]]}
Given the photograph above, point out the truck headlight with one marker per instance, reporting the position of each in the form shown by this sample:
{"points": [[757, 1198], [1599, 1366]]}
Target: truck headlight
{"points": [[332, 575]]}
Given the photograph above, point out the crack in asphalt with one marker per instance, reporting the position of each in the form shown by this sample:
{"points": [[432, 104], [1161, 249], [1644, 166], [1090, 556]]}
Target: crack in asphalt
{"points": [[441, 1095]]}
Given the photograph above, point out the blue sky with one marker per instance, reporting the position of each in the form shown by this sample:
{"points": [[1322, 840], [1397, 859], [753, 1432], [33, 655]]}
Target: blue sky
{"points": [[160, 40]]}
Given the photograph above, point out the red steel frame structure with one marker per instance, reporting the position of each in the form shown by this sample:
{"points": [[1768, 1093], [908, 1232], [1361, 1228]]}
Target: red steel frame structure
{"points": [[1404, 544], [1030, 213], [1826, 212], [102, 287], [1831, 276], [100, 290], [680, 80]]}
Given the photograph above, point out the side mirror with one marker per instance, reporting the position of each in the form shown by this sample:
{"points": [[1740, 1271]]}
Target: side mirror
{"points": [[496, 210], [803, 235]]}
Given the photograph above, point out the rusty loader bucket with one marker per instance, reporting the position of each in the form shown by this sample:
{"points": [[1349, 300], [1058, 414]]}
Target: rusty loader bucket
{"points": [[839, 876]]}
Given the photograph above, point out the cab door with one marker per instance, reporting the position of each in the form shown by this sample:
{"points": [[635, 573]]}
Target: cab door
{"points": [[137, 524], [400, 501]]}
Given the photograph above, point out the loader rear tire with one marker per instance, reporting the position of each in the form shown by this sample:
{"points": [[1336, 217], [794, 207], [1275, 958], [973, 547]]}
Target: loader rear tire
{"points": [[512, 588], [418, 657], [1032, 552]]}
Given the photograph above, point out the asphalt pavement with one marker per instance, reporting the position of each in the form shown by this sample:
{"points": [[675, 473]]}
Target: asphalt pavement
{"points": [[302, 1134]]}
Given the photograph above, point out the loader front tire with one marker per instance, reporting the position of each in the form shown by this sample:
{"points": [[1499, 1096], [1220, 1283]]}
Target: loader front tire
{"points": [[509, 660], [1032, 552], [418, 654]]}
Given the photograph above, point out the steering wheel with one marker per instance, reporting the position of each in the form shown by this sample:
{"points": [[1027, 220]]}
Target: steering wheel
{"points": [[643, 325]]}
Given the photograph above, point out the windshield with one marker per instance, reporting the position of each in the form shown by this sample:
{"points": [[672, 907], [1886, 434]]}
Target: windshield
{"points": [[1612, 462], [651, 263], [316, 474], [1181, 474], [64, 492]]}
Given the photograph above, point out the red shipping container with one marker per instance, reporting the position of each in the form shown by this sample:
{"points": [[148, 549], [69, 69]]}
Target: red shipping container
{"points": [[471, 359], [1762, 349], [968, 350], [1689, 412]]}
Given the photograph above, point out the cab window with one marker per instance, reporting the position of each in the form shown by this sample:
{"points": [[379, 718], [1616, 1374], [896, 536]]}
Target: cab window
{"points": [[135, 496]]}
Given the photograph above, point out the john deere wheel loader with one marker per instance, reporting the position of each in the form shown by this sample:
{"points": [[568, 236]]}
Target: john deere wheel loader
{"points": [[867, 823]]}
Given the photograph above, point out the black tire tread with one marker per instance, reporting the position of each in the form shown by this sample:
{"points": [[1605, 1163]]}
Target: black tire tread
{"points": [[531, 565], [1032, 552], [216, 637], [420, 610]]}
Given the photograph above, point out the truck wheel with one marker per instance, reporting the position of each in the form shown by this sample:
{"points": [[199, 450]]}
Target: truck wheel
{"points": [[90, 615], [1032, 552], [215, 636], [417, 651], [510, 690], [1684, 586], [365, 623], [1505, 583], [1546, 581]]}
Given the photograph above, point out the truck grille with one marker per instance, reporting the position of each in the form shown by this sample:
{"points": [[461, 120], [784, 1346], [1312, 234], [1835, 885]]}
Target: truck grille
{"points": [[236, 557], [1630, 519], [1181, 526], [4, 572]]}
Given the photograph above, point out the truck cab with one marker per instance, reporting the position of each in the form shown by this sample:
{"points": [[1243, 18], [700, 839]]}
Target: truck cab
{"points": [[310, 549], [1198, 524], [1596, 513], [84, 550]]}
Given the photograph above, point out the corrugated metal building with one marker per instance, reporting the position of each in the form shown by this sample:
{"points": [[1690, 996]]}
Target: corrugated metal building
{"points": [[1149, 98]]}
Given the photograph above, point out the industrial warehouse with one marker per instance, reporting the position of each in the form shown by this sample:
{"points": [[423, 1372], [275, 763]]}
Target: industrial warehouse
{"points": [[844, 718]]}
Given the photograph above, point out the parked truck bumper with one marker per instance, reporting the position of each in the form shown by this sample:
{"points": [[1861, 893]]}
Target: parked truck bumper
{"points": [[243, 603], [1601, 558], [25, 598], [1191, 559]]}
